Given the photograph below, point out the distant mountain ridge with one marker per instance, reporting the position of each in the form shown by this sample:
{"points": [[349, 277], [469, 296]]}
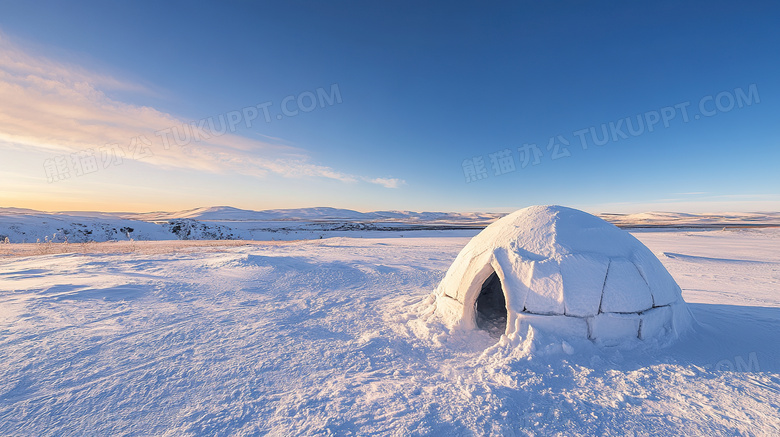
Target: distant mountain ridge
{"points": [[229, 213], [661, 219], [20, 225]]}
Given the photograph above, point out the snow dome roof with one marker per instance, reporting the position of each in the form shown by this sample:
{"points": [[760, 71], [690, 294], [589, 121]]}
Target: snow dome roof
{"points": [[562, 270]]}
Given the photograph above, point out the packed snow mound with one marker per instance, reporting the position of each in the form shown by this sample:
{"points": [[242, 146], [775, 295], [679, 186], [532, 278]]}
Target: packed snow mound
{"points": [[562, 271]]}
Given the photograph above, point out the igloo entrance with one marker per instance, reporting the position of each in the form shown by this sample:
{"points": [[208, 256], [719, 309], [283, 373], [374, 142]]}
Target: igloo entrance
{"points": [[490, 307]]}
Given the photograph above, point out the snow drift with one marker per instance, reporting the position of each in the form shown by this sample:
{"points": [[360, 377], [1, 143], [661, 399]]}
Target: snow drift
{"points": [[563, 271]]}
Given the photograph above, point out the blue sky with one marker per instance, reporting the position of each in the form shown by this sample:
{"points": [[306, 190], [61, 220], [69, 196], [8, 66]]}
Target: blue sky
{"points": [[419, 89]]}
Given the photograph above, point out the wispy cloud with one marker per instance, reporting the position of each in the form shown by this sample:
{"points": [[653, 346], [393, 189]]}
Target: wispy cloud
{"points": [[60, 108], [387, 182]]}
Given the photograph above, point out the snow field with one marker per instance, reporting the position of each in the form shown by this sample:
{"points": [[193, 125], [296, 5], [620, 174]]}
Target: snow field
{"points": [[338, 336]]}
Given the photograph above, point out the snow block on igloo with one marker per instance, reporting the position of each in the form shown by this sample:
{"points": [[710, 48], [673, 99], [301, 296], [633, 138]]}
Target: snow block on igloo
{"points": [[561, 325], [583, 282], [662, 286], [682, 319], [546, 286], [611, 329], [625, 290], [466, 274], [514, 273], [655, 322]]}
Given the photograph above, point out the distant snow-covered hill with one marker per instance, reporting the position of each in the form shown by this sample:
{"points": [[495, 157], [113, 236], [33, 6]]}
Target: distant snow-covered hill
{"points": [[676, 219], [19, 225], [28, 226], [227, 213]]}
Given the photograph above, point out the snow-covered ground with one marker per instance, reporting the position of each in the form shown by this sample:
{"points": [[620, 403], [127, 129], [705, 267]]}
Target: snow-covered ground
{"points": [[337, 337]]}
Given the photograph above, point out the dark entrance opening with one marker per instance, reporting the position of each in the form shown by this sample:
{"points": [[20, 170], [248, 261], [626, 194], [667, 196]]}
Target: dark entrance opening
{"points": [[490, 307]]}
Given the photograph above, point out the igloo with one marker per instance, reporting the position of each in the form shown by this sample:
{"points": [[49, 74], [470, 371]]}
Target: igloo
{"points": [[563, 271]]}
